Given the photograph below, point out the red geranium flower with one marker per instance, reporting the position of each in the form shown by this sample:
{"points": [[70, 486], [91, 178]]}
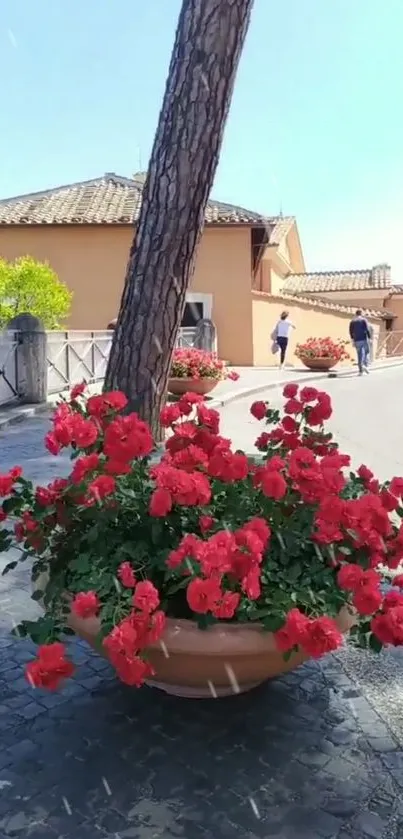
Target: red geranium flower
{"points": [[106, 403], [322, 636], [102, 486], [127, 438], [290, 390], [146, 597], [203, 595], [205, 523], [77, 390], [126, 575], [50, 668], [86, 604], [226, 607], [160, 502], [293, 632], [169, 415], [8, 480], [258, 410]]}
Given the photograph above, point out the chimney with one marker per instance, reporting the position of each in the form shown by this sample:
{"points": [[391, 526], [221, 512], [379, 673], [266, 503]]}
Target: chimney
{"points": [[381, 273], [140, 177]]}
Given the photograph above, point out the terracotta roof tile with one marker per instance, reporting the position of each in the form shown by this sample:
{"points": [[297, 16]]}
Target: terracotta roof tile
{"points": [[320, 303], [378, 277], [111, 199]]}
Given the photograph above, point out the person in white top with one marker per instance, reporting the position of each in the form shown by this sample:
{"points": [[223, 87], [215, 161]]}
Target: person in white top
{"points": [[281, 334]]}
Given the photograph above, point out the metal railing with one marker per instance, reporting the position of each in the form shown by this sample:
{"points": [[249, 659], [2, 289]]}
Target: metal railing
{"points": [[75, 356], [72, 356], [186, 337], [8, 367], [389, 344]]}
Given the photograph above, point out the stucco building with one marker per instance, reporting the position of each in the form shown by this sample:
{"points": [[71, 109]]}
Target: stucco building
{"points": [[248, 266]]}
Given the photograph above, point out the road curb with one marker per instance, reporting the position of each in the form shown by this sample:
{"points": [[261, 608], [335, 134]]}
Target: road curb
{"points": [[235, 396], [20, 413]]}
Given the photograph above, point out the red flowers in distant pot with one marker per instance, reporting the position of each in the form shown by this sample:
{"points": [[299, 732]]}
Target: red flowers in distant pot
{"points": [[323, 348], [207, 533], [192, 363]]}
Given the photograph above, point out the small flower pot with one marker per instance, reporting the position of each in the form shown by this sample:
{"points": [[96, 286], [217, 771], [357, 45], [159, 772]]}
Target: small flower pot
{"points": [[319, 364], [202, 386]]}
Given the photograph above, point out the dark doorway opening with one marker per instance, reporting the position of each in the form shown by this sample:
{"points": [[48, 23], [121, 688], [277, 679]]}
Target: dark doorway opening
{"points": [[192, 313]]}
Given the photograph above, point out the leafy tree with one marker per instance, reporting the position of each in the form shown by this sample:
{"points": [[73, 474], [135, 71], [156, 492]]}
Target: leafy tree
{"points": [[207, 49], [28, 286]]}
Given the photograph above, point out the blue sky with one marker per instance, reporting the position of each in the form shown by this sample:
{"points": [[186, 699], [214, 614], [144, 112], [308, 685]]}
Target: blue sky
{"points": [[315, 126]]}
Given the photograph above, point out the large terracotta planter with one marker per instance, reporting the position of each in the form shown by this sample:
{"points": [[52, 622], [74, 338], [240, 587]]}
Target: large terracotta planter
{"points": [[202, 386], [227, 658], [219, 661], [319, 364]]}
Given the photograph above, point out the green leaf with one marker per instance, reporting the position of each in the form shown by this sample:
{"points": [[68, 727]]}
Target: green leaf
{"points": [[9, 504], [204, 621], [177, 587], [40, 631], [9, 567], [37, 595], [374, 643]]}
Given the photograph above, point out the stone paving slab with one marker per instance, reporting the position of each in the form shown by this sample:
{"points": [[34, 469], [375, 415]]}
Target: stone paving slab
{"points": [[317, 754]]}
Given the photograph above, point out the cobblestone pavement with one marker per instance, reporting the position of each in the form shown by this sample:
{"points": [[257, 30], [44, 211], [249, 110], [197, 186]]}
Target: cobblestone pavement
{"points": [[315, 755]]}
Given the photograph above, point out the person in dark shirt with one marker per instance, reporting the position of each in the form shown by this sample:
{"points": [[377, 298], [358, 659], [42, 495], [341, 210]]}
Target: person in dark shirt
{"points": [[360, 335]]}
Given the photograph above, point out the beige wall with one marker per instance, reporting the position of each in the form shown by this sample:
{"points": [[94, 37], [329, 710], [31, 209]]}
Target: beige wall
{"points": [[273, 270], [278, 261], [223, 268], [284, 250], [92, 260], [310, 321], [296, 255], [276, 281]]}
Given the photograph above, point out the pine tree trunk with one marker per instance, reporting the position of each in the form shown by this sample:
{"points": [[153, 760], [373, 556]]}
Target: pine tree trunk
{"points": [[208, 45]]}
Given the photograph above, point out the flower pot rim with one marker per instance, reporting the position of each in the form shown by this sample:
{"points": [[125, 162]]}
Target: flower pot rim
{"points": [[193, 379], [319, 357]]}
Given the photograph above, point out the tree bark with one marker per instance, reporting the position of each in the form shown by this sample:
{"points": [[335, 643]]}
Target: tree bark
{"points": [[184, 158]]}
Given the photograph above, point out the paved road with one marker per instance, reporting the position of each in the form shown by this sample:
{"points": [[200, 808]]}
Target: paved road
{"points": [[367, 419], [315, 755]]}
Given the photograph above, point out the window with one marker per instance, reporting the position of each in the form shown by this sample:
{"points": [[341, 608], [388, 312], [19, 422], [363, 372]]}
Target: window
{"points": [[193, 312], [197, 306]]}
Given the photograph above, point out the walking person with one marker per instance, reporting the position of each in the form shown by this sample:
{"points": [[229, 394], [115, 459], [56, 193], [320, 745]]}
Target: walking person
{"points": [[360, 334], [280, 335]]}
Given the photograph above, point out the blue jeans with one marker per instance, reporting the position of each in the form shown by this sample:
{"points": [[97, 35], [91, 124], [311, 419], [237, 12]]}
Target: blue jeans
{"points": [[282, 342], [362, 348]]}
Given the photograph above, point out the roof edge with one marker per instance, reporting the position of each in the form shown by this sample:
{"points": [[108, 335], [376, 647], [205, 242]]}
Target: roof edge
{"points": [[340, 272], [323, 304]]}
